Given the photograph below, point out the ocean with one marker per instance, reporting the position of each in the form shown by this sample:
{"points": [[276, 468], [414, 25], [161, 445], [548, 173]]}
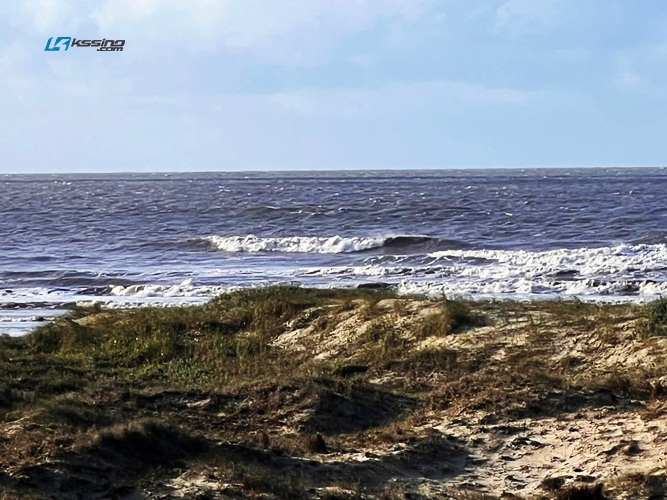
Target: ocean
{"points": [[135, 239]]}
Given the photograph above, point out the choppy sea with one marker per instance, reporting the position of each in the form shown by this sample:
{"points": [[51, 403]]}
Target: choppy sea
{"points": [[134, 239]]}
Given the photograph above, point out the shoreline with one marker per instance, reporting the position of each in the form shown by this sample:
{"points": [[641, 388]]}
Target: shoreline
{"points": [[15, 316], [286, 392]]}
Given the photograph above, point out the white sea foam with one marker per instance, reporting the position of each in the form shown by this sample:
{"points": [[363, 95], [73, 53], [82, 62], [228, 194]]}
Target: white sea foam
{"points": [[369, 270], [623, 272], [300, 244], [19, 319], [635, 272], [521, 289], [621, 260], [183, 289]]}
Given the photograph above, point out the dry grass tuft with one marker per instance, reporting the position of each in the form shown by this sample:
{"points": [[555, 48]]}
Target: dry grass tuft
{"points": [[315, 444], [452, 316], [584, 492]]}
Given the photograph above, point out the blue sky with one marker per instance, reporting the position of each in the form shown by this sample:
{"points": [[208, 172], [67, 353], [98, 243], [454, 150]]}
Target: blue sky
{"points": [[316, 84]]}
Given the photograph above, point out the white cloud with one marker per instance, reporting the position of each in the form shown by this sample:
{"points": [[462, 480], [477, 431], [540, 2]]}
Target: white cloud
{"points": [[286, 31], [206, 83], [44, 16], [527, 16], [400, 98], [643, 69], [16, 82], [628, 79]]}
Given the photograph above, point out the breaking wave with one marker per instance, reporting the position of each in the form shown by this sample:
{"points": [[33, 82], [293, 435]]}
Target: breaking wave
{"points": [[332, 244], [620, 260], [621, 271], [183, 289]]}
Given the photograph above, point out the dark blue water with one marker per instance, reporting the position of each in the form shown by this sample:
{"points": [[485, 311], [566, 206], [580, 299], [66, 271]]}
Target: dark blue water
{"points": [[136, 238]]}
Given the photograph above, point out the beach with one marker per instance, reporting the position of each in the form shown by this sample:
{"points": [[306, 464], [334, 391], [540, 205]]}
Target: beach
{"points": [[286, 392], [426, 334]]}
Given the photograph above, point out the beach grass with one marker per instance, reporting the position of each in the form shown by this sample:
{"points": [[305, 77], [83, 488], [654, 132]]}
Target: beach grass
{"points": [[248, 394]]}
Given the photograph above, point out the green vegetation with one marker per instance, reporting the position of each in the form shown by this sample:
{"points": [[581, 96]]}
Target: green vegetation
{"points": [[251, 389], [656, 317]]}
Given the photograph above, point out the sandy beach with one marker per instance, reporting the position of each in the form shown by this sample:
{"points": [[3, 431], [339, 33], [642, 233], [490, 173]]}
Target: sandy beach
{"points": [[300, 393]]}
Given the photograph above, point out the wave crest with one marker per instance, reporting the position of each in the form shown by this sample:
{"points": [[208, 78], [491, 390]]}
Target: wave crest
{"points": [[307, 244]]}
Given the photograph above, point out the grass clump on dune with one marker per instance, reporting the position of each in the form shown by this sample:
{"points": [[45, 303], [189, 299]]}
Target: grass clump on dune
{"points": [[452, 316], [655, 313], [204, 344]]}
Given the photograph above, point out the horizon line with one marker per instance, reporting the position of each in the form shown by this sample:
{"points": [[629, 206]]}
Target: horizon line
{"points": [[316, 170]]}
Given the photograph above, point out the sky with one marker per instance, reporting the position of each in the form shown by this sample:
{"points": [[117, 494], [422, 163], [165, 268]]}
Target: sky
{"points": [[206, 85]]}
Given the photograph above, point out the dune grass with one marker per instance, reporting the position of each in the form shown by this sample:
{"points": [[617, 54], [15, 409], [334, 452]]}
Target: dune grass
{"points": [[98, 386], [655, 314]]}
